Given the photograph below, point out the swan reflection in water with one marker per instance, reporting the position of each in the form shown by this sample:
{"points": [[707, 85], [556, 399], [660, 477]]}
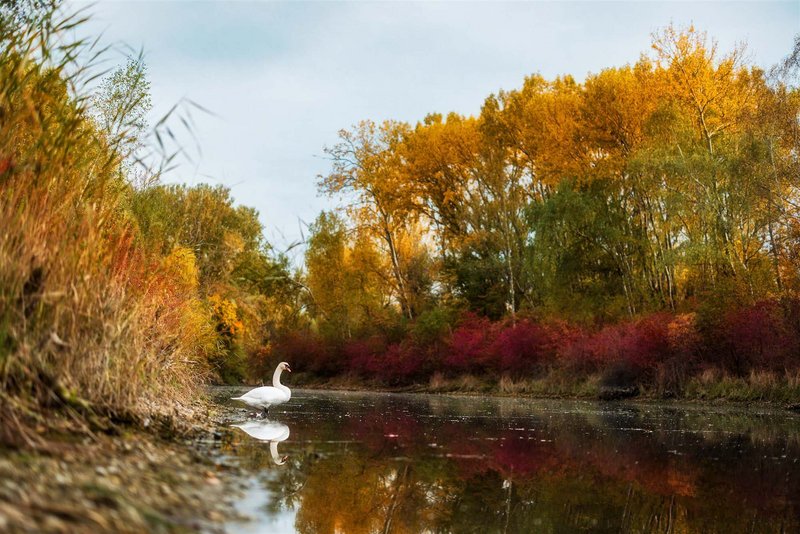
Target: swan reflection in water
{"points": [[271, 431]]}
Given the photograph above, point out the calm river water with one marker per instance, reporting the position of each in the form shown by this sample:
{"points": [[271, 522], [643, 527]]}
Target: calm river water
{"points": [[373, 462]]}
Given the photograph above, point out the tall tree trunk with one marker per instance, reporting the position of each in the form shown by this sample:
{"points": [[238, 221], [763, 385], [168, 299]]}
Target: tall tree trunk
{"points": [[405, 305], [772, 244]]}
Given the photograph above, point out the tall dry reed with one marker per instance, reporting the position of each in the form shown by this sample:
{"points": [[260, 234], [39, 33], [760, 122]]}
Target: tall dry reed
{"points": [[89, 323]]}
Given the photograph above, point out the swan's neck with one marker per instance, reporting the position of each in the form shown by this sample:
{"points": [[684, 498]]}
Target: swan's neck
{"points": [[276, 380]]}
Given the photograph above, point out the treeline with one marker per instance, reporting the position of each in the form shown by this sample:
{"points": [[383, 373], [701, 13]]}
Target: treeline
{"points": [[645, 218], [118, 295]]}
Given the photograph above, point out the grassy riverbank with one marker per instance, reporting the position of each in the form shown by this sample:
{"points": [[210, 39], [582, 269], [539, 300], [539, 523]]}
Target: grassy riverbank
{"points": [[118, 295], [710, 386]]}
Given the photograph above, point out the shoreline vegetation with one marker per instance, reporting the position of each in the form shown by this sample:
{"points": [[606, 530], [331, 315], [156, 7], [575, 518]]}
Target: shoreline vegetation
{"points": [[106, 337], [637, 232], [709, 388], [120, 297]]}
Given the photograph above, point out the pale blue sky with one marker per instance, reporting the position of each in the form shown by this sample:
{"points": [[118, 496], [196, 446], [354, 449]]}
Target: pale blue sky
{"points": [[283, 78]]}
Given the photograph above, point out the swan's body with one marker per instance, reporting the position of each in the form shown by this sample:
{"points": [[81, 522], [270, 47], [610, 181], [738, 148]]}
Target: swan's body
{"points": [[271, 431], [268, 396]]}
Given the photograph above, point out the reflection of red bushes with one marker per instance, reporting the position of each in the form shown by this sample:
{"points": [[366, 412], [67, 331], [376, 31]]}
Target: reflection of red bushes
{"points": [[375, 431], [514, 455]]}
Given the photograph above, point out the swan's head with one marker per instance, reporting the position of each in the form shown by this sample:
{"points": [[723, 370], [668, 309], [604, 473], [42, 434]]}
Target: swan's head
{"points": [[283, 366]]}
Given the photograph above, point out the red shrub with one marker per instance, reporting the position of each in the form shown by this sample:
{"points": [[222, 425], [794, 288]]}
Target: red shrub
{"points": [[306, 351], [758, 336], [662, 348], [521, 348], [398, 363], [641, 345], [684, 338], [365, 356], [467, 347], [647, 342], [404, 362], [591, 351]]}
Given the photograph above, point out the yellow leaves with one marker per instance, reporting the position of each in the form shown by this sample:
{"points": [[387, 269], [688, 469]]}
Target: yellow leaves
{"points": [[181, 267], [635, 139], [541, 120], [226, 314], [449, 196], [233, 243], [617, 103], [196, 328], [347, 276], [682, 326], [718, 90]]}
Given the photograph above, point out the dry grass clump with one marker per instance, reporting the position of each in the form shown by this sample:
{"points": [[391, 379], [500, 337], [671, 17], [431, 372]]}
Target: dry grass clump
{"points": [[509, 386], [466, 383], [713, 384], [88, 322], [437, 382]]}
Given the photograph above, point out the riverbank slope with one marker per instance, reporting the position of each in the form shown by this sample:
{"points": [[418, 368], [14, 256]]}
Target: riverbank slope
{"points": [[160, 478]]}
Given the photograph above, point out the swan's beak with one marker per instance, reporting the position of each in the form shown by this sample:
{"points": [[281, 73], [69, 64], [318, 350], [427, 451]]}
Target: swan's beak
{"points": [[289, 370]]}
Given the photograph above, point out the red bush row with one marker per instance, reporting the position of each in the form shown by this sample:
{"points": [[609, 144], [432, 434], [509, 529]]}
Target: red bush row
{"points": [[763, 336]]}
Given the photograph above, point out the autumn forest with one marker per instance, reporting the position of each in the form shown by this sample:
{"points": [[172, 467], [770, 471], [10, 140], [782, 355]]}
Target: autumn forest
{"points": [[639, 227]]}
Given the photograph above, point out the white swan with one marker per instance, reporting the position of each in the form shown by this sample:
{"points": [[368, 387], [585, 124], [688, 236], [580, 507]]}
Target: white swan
{"points": [[268, 396], [271, 431]]}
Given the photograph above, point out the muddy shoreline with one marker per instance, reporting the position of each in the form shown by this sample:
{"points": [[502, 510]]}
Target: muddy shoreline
{"points": [[137, 480]]}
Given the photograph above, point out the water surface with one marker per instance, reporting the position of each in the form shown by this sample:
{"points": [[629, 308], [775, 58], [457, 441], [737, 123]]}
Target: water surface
{"points": [[373, 462]]}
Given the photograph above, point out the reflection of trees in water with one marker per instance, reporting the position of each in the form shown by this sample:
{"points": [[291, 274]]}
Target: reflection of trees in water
{"points": [[350, 493], [338, 498], [604, 471], [287, 484]]}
